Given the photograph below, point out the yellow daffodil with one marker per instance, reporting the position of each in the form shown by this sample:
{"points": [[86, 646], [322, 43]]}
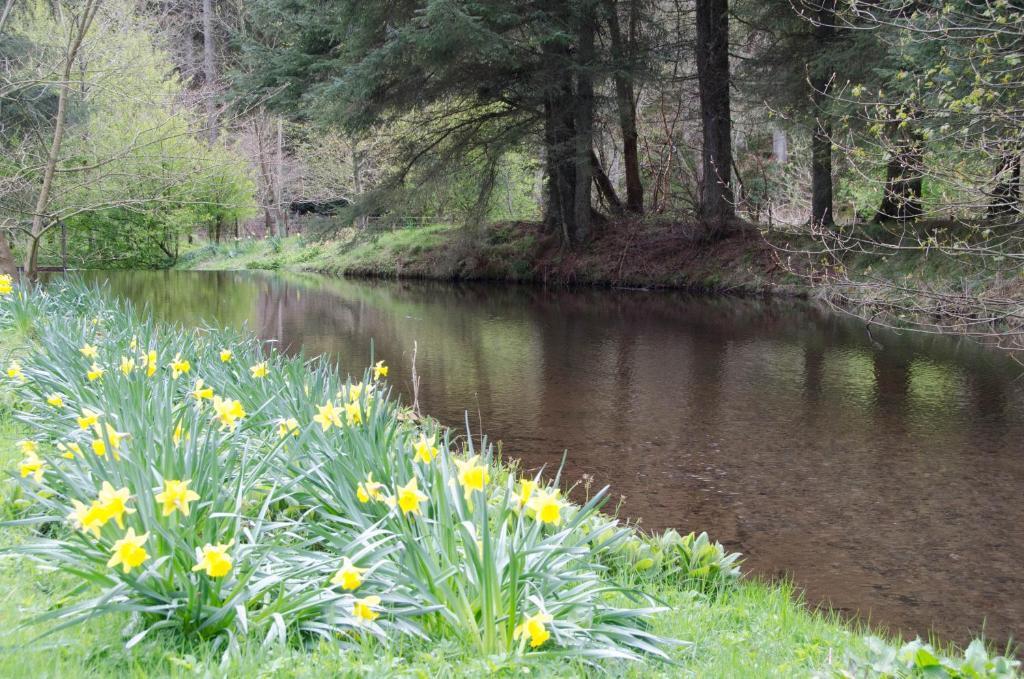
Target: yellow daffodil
{"points": [[114, 503], [424, 450], [409, 498], [369, 490], [176, 436], [472, 474], [354, 392], [88, 519], [32, 464], [349, 576], [99, 445], [89, 351], [228, 412], [28, 447], [148, 361], [56, 400], [69, 450], [214, 559], [6, 283], [546, 507], [287, 426], [128, 551], [328, 416], [134, 344], [526, 488], [176, 496], [88, 418], [259, 371], [200, 391], [379, 370], [226, 355], [534, 627], [95, 372], [127, 365], [179, 366], [353, 413], [362, 609], [14, 371]]}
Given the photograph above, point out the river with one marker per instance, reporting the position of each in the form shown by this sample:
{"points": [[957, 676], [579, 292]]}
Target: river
{"points": [[882, 472]]}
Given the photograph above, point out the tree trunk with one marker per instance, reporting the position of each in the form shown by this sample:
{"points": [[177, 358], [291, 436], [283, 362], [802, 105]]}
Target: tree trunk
{"points": [[8, 6], [821, 173], [357, 169], [357, 178], [266, 174], [7, 265], [1006, 195], [559, 147], [821, 136], [903, 179], [604, 185], [209, 71], [713, 79], [282, 223], [780, 146], [559, 129], [584, 111], [625, 100], [39, 227]]}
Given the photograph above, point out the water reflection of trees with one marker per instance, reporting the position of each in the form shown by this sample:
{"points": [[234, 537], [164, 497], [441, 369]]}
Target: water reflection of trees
{"points": [[561, 327]]}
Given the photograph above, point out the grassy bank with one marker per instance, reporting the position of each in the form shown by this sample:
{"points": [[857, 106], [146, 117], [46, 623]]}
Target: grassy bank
{"points": [[650, 254], [706, 622], [928, 289]]}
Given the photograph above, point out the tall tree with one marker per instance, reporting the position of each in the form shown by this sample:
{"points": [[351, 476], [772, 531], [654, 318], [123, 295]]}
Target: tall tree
{"points": [[81, 19], [586, 20], [822, 80], [904, 171], [465, 77], [209, 70], [717, 203], [623, 53]]}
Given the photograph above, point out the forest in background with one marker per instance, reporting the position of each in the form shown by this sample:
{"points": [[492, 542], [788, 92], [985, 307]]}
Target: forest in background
{"points": [[870, 128]]}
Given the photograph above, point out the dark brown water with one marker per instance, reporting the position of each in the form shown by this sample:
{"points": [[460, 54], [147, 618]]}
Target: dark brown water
{"points": [[884, 473]]}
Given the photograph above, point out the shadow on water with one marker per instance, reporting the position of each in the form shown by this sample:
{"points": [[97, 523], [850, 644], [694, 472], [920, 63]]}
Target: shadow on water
{"points": [[884, 473]]}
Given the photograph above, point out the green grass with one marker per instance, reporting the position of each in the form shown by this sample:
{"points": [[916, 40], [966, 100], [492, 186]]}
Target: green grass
{"points": [[381, 252], [756, 631]]}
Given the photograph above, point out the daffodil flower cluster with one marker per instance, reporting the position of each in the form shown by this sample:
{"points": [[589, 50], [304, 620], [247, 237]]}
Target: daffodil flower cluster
{"points": [[226, 487]]}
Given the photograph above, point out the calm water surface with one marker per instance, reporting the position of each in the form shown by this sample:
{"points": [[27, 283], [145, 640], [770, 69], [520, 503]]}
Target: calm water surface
{"points": [[884, 472]]}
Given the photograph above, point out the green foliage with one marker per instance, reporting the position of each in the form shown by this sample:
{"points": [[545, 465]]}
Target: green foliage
{"points": [[919, 659], [132, 176], [693, 562]]}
